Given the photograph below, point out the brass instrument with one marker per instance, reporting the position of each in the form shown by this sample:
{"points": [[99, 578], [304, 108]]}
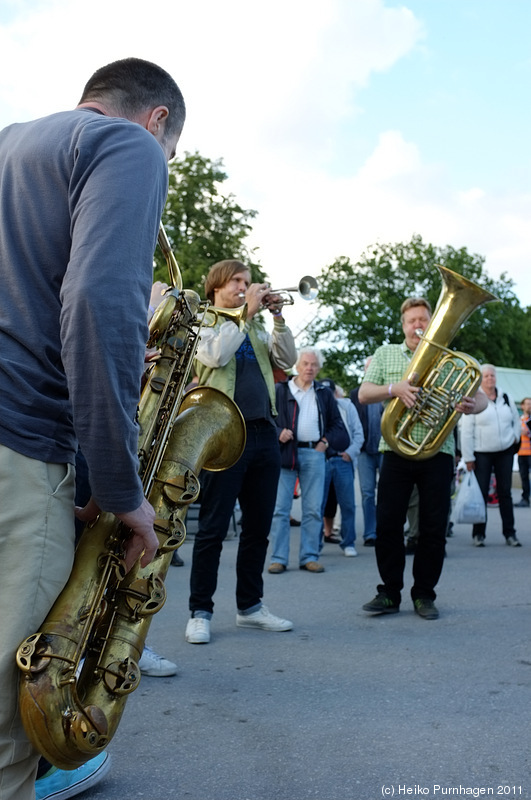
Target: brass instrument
{"points": [[237, 315], [307, 289], [80, 667], [445, 376]]}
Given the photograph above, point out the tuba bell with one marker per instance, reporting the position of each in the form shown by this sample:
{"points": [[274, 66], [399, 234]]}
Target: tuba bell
{"points": [[444, 376]]}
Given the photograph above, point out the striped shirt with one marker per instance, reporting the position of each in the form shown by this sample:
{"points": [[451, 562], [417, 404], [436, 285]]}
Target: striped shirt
{"points": [[390, 364]]}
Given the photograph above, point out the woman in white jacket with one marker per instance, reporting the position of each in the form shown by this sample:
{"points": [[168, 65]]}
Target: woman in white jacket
{"points": [[487, 442]]}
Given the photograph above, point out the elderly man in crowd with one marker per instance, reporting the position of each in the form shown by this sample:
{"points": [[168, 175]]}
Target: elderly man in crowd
{"points": [[308, 424]]}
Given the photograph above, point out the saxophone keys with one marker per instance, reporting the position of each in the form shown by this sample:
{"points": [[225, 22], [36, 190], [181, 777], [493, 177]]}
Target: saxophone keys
{"points": [[122, 677], [146, 596], [34, 654]]}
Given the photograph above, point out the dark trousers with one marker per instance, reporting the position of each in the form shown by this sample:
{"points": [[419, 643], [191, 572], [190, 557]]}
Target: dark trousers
{"points": [[398, 476], [502, 464], [524, 465], [253, 480]]}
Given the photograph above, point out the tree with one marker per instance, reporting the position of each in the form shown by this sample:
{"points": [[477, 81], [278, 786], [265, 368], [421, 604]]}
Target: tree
{"points": [[203, 225], [360, 307]]}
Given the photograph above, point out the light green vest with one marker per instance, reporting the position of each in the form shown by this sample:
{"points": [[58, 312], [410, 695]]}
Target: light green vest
{"points": [[224, 378]]}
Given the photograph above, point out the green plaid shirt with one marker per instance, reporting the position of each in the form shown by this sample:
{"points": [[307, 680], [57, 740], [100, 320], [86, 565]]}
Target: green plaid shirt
{"points": [[389, 365]]}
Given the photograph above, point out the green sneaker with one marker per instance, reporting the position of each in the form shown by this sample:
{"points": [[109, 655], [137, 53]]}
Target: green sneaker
{"points": [[425, 608], [382, 604]]}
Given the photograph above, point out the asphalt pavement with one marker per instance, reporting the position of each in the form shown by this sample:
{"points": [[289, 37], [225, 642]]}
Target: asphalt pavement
{"points": [[346, 706]]}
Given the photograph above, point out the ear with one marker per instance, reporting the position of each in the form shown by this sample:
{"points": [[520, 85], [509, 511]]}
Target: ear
{"points": [[156, 120]]}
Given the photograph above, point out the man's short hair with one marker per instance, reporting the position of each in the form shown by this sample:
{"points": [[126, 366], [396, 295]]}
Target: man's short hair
{"points": [[133, 85], [413, 302], [221, 273], [310, 351]]}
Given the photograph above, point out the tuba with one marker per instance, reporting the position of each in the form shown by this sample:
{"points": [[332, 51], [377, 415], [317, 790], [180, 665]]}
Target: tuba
{"points": [[79, 669], [445, 376]]}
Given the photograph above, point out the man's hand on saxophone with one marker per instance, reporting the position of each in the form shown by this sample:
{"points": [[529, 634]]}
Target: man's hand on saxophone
{"points": [[143, 541]]}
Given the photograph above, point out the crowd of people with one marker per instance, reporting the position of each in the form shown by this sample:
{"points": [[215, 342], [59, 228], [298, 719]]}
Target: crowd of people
{"points": [[72, 186]]}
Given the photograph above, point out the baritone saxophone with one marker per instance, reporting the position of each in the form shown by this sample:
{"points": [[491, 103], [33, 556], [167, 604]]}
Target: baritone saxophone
{"points": [[80, 667]]}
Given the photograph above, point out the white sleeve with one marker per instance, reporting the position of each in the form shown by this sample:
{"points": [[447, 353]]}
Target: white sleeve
{"points": [[218, 344]]}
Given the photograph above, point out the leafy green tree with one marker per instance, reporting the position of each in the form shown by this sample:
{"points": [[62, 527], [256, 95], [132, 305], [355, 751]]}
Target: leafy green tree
{"points": [[359, 306], [203, 224]]}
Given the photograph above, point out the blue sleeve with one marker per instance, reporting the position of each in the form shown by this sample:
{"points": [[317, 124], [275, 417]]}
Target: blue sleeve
{"points": [[118, 190]]}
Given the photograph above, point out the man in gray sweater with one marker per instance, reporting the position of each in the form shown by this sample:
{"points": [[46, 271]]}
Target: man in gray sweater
{"points": [[81, 197]]}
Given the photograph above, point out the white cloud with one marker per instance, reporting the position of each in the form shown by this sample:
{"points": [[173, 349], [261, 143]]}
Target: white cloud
{"points": [[272, 89]]}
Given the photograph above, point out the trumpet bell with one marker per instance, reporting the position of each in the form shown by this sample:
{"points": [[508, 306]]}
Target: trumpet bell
{"points": [[308, 288]]}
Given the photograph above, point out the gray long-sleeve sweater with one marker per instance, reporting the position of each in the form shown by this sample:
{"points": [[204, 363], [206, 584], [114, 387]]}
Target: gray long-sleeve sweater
{"points": [[81, 196]]}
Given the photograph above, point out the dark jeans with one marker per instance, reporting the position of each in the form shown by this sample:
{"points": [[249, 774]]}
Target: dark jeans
{"points": [[398, 476], [524, 465], [502, 463], [253, 480]]}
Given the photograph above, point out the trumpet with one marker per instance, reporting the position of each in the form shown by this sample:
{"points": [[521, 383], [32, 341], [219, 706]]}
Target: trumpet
{"points": [[307, 288]]}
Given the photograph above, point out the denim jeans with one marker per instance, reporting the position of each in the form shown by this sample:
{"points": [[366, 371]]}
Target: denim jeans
{"points": [[253, 481], [311, 475], [433, 477], [341, 474], [502, 463], [369, 465]]}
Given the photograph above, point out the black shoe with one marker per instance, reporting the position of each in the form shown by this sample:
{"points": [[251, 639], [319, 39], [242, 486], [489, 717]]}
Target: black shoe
{"points": [[512, 541], [369, 542], [522, 504], [295, 523], [176, 560], [382, 604], [425, 608]]}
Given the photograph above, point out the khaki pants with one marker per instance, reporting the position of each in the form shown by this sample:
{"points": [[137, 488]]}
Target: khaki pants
{"points": [[36, 554]]}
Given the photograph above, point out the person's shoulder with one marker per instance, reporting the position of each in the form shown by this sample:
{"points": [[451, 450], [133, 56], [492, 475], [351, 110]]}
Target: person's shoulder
{"points": [[116, 133], [384, 351]]}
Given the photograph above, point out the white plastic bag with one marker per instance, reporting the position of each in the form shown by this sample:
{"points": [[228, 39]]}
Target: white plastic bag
{"points": [[469, 503]]}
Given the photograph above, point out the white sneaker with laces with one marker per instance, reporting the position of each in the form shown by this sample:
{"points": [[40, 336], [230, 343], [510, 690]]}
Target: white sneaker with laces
{"points": [[197, 630], [350, 552], [156, 666], [264, 619]]}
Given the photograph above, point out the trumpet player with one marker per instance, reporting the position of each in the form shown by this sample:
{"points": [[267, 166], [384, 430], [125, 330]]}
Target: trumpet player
{"points": [[433, 476], [240, 363]]}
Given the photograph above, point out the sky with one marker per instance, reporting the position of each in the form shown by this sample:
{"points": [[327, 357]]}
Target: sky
{"points": [[343, 123]]}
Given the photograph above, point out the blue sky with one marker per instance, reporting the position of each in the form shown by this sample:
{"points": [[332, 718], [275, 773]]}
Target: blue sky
{"points": [[342, 122], [462, 92]]}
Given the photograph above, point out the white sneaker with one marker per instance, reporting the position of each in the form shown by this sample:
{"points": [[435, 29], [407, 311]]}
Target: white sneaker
{"points": [[350, 552], [155, 666], [197, 630], [264, 619]]}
